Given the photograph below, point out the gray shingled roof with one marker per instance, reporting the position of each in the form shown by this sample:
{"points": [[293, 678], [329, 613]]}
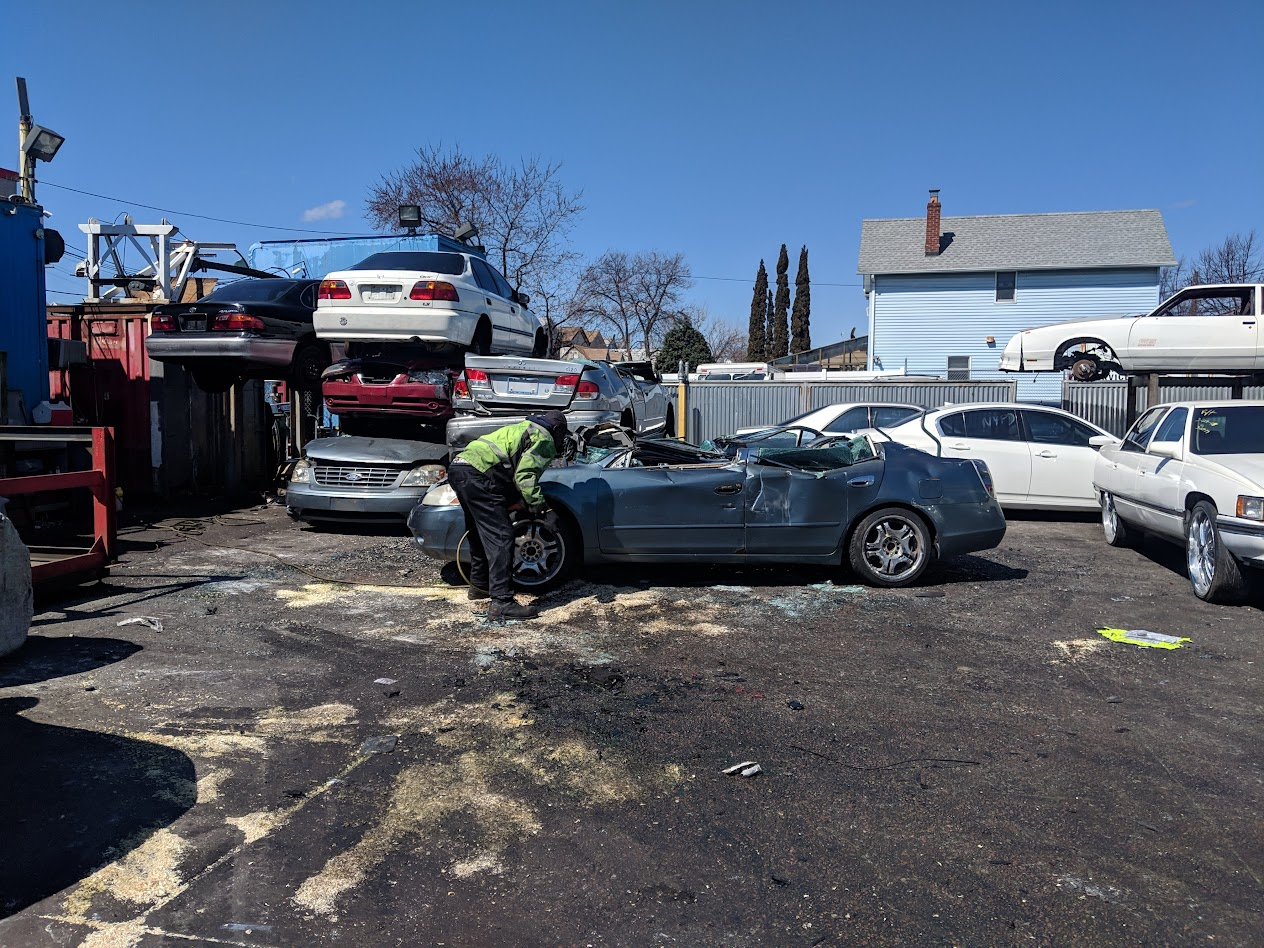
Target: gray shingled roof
{"points": [[1018, 242]]}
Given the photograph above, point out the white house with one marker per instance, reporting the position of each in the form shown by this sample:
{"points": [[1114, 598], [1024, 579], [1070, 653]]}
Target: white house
{"points": [[946, 293]]}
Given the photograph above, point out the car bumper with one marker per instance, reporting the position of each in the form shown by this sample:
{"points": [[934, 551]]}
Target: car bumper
{"points": [[1012, 356], [413, 399], [206, 347], [465, 428], [967, 528], [437, 530], [310, 502], [1244, 539], [413, 324]]}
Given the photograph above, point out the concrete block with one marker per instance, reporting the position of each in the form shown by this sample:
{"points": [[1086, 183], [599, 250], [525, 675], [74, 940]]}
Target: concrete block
{"points": [[16, 604]]}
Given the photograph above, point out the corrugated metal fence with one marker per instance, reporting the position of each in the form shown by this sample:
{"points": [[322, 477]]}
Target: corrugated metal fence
{"points": [[720, 408], [1105, 404]]}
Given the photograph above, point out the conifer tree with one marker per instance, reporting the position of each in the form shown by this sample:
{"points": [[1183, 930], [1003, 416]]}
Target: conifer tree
{"points": [[779, 341], [768, 310], [756, 342], [800, 329]]}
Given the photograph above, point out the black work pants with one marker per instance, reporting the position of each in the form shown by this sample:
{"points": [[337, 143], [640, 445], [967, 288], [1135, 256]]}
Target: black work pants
{"points": [[491, 532]]}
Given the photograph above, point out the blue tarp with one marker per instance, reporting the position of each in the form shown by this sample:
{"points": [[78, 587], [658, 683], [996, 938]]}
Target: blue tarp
{"points": [[312, 259]]}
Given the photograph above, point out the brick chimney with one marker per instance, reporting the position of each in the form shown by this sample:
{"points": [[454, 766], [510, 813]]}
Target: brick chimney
{"points": [[932, 224]]}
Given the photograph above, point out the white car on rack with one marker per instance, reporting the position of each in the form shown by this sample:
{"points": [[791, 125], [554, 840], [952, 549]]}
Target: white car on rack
{"points": [[441, 297], [1193, 473], [1212, 328], [1040, 458]]}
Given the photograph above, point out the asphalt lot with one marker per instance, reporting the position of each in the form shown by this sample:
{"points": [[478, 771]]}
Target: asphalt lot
{"points": [[976, 767]]}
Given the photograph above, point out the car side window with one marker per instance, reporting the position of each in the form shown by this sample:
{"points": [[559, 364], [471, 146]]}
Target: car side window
{"points": [[1044, 427], [483, 275], [308, 299], [954, 425], [1138, 435], [1173, 427], [886, 417], [502, 285], [992, 424], [849, 420]]}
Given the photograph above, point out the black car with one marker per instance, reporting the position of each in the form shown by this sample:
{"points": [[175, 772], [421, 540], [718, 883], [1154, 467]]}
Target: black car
{"points": [[253, 328]]}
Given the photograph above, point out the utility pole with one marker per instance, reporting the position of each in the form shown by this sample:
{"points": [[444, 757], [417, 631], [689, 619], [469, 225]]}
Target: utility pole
{"points": [[26, 162]]}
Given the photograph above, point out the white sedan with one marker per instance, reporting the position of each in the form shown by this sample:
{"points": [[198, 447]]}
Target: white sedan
{"points": [[1039, 457], [1200, 329], [845, 418], [1193, 473], [437, 297]]}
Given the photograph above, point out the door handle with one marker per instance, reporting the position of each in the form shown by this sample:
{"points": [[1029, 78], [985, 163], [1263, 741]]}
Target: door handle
{"points": [[489, 300], [729, 489], [1046, 453], [960, 447], [865, 481], [1248, 322]]}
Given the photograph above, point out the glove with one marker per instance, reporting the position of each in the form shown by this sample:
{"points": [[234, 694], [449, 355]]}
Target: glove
{"points": [[539, 510]]}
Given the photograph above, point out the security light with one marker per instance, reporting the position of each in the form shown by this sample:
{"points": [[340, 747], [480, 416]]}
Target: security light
{"points": [[410, 216], [466, 233], [42, 143]]}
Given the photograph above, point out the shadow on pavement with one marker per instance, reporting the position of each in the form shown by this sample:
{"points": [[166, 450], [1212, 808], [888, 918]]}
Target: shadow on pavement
{"points": [[73, 800], [43, 658]]}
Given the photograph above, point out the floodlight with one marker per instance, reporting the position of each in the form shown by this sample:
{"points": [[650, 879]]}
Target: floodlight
{"points": [[409, 215], [466, 233], [42, 143]]}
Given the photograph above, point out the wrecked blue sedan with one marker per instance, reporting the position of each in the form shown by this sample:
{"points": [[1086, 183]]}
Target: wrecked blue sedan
{"points": [[887, 511]]}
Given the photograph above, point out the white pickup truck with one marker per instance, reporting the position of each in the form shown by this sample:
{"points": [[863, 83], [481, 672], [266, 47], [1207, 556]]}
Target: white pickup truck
{"points": [[1193, 473]]}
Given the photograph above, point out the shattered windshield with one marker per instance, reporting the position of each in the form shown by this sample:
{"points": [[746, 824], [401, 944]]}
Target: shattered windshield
{"points": [[837, 454]]}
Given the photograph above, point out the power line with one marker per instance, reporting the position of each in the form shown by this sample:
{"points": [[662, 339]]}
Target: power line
{"points": [[205, 217], [752, 282]]}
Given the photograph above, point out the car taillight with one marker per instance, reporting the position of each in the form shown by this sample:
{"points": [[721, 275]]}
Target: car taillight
{"points": [[477, 378], [460, 389], [434, 290], [566, 381], [160, 323], [985, 475], [236, 322], [587, 389], [333, 290]]}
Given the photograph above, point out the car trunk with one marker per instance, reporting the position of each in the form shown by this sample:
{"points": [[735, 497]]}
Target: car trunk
{"points": [[505, 383]]}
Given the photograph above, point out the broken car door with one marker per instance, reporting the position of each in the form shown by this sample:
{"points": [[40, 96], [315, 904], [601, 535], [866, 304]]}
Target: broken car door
{"points": [[795, 512], [683, 511]]}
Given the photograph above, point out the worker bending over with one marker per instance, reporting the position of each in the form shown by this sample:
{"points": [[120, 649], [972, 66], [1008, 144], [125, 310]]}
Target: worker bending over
{"points": [[494, 476]]}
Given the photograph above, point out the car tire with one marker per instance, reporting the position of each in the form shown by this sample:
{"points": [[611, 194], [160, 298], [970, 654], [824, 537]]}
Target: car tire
{"points": [[546, 551], [214, 381], [891, 547], [1213, 572], [669, 424], [540, 348], [310, 360], [1116, 531], [481, 344]]}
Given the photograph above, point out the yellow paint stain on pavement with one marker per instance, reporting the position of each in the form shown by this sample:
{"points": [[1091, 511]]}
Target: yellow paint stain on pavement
{"points": [[142, 876]]}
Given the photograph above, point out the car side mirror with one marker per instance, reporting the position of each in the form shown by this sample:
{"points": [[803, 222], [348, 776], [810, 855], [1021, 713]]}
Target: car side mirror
{"points": [[1100, 441], [1166, 449], [522, 299]]}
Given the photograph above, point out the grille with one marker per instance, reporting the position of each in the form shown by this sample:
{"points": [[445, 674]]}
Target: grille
{"points": [[355, 477], [378, 378]]}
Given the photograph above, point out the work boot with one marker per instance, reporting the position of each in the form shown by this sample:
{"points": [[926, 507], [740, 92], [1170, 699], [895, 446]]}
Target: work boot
{"points": [[500, 611], [473, 594]]}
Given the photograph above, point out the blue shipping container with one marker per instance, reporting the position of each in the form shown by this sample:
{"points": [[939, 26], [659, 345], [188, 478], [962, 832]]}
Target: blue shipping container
{"points": [[312, 259], [23, 323]]}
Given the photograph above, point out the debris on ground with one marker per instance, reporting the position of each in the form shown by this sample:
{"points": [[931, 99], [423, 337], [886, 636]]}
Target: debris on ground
{"points": [[930, 594], [148, 622], [379, 745], [794, 705], [747, 768], [385, 681], [1144, 638]]}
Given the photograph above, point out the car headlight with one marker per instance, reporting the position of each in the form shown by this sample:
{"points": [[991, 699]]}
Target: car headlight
{"points": [[1251, 508], [423, 476], [441, 495], [302, 473]]}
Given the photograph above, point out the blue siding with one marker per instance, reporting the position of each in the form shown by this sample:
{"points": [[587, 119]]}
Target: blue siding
{"points": [[919, 320]]}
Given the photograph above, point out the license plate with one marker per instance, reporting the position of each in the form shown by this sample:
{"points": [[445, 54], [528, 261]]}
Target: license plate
{"points": [[379, 294], [524, 387], [194, 325]]}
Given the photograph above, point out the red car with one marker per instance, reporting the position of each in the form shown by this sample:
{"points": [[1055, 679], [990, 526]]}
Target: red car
{"points": [[390, 385]]}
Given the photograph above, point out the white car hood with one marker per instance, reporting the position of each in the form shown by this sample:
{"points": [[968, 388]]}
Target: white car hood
{"points": [[1113, 326], [1249, 467]]}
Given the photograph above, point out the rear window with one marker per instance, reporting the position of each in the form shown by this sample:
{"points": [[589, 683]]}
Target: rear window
{"points": [[829, 458], [250, 291], [427, 261]]}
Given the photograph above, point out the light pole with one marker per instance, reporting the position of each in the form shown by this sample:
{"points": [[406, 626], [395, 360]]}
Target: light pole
{"points": [[35, 143]]}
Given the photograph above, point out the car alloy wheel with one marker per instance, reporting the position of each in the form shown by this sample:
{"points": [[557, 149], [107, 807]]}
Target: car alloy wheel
{"points": [[542, 551], [1117, 533], [891, 547], [1213, 572]]}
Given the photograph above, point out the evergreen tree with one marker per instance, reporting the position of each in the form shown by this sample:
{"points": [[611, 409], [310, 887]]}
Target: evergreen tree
{"points": [[756, 342], [800, 330], [683, 341], [768, 308], [779, 339]]}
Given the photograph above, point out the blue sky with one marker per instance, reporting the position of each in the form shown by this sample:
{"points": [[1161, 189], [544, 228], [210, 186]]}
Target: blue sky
{"points": [[720, 130]]}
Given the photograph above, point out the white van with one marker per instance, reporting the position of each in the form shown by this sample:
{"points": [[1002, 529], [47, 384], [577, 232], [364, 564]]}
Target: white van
{"points": [[733, 372]]}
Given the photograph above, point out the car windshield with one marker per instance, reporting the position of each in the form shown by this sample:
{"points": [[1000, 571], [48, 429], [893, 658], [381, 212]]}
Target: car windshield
{"points": [[1231, 429], [831, 458], [425, 261], [250, 291]]}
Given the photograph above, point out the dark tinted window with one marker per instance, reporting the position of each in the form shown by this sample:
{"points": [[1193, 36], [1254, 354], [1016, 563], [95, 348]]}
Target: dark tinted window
{"points": [[994, 424], [884, 417], [850, 420], [502, 285], [1237, 429], [483, 275], [250, 291], [1044, 427], [1212, 302], [1005, 283], [1173, 427], [427, 261], [1138, 435]]}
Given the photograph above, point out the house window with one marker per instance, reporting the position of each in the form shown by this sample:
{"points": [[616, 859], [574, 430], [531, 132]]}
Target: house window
{"points": [[958, 368], [1005, 280]]}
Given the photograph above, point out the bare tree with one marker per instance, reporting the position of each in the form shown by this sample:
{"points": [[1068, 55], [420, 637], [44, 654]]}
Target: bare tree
{"points": [[523, 213], [1237, 259], [727, 340], [635, 298]]}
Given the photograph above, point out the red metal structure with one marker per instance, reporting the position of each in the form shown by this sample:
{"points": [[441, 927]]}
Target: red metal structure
{"points": [[99, 479]]}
